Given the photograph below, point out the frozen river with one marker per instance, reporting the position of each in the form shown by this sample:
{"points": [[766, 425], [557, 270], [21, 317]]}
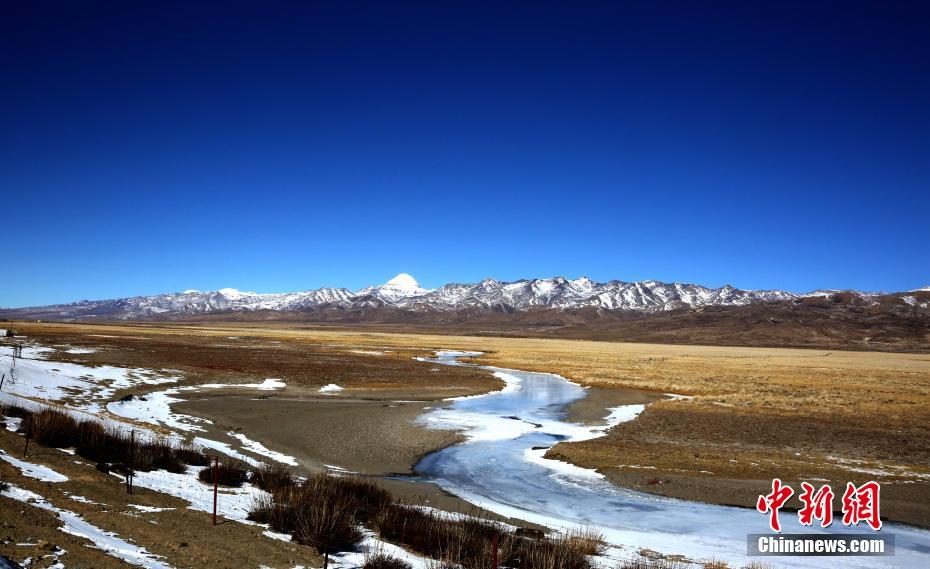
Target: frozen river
{"points": [[500, 468]]}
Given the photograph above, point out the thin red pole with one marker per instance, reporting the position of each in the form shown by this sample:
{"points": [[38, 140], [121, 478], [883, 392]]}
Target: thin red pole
{"points": [[216, 473]]}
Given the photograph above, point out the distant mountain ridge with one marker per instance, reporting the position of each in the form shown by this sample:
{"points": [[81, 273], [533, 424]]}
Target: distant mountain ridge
{"points": [[403, 292]]}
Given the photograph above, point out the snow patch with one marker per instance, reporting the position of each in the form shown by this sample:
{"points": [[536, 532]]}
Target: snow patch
{"points": [[37, 471], [259, 448], [269, 384]]}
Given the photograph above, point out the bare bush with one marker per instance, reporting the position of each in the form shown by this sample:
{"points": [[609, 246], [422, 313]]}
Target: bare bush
{"points": [[382, 560], [323, 511], [272, 477], [228, 472]]}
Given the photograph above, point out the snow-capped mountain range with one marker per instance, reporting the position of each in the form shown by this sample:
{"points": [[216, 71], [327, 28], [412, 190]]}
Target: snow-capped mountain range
{"points": [[404, 292]]}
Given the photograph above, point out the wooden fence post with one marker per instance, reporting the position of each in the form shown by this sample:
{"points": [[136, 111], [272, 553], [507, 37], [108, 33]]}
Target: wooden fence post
{"points": [[216, 474], [132, 460], [494, 552], [28, 434]]}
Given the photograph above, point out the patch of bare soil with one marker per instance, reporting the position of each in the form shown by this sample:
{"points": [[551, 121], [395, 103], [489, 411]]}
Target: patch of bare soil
{"points": [[364, 436]]}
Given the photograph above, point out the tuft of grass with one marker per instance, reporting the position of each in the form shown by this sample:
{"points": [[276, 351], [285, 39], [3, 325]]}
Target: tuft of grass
{"points": [[382, 560], [588, 540], [270, 477]]}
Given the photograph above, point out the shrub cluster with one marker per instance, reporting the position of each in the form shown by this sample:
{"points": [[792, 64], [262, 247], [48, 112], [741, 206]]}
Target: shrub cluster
{"points": [[382, 560], [104, 445], [467, 541], [322, 511], [229, 472], [327, 512]]}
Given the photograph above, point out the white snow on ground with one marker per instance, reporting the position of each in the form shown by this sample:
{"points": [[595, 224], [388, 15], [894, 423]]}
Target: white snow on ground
{"points": [[259, 448], [82, 499], [155, 408], [331, 388], [369, 352], [269, 384], [13, 423], [74, 524], [80, 351], [876, 468], [232, 503], [276, 535], [86, 386], [151, 509], [226, 449], [37, 471]]}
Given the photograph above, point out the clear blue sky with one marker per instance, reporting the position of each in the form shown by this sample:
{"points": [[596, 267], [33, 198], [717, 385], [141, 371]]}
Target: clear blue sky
{"points": [[156, 146]]}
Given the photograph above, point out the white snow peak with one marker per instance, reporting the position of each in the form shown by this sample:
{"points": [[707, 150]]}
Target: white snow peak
{"points": [[403, 281]]}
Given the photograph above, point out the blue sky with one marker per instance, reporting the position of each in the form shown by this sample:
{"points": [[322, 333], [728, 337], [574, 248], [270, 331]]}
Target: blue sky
{"points": [[151, 147]]}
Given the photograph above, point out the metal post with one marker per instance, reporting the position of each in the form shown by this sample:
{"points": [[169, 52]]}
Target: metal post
{"points": [[216, 474]]}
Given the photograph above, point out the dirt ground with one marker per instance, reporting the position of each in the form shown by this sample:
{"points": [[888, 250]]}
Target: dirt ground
{"points": [[364, 436]]}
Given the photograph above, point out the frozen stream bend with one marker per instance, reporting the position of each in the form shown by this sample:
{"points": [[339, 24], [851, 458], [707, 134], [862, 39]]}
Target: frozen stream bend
{"points": [[497, 469]]}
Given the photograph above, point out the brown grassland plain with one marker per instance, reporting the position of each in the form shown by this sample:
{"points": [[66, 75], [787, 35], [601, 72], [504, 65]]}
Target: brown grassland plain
{"points": [[751, 413]]}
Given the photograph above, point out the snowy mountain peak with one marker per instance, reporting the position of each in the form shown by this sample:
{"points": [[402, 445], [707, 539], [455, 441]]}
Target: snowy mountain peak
{"points": [[403, 281], [924, 289]]}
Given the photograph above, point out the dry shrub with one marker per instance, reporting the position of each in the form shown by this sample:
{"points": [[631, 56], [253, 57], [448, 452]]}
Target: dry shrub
{"points": [[548, 553], [229, 472], [587, 540], [467, 541], [191, 455], [459, 540], [322, 511], [382, 560], [272, 477]]}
